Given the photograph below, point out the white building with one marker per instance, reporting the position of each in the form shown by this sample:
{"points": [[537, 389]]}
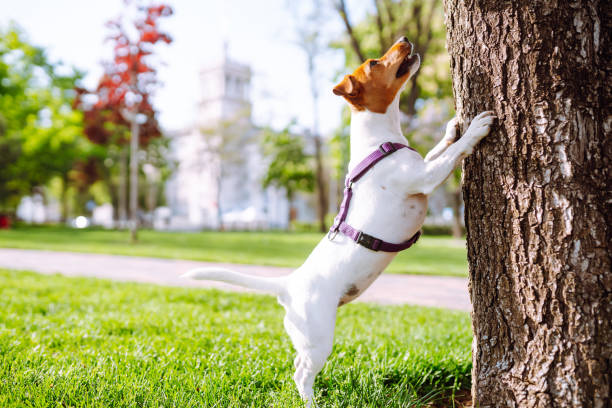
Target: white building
{"points": [[218, 180]]}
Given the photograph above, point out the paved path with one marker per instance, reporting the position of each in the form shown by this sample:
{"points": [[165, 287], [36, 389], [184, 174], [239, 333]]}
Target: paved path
{"points": [[387, 289]]}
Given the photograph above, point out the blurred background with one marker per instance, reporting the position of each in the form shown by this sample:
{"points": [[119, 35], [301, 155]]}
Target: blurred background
{"points": [[201, 115], [207, 131]]}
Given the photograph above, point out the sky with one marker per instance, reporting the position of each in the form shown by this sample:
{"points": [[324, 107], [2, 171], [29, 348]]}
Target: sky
{"points": [[259, 33]]}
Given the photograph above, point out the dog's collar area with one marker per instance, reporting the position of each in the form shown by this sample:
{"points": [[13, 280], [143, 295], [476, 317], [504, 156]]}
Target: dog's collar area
{"points": [[387, 148], [368, 241], [360, 237]]}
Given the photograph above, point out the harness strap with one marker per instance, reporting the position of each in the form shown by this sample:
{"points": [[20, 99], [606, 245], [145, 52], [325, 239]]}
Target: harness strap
{"points": [[377, 155], [363, 239], [376, 244]]}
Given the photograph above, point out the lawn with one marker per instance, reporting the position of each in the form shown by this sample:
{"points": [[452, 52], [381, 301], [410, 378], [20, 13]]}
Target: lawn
{"points": [[432, 255], [82, 342]]}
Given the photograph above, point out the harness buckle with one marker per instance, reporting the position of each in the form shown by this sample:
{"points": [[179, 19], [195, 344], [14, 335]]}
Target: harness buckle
{"points": [[368, 241], [388, 145]]}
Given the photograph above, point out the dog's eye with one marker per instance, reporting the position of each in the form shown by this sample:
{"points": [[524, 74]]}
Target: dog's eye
{"points": [[372, 63]]}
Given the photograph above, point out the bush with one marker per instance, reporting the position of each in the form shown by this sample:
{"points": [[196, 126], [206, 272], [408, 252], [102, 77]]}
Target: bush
{"points": [[437, 230]]}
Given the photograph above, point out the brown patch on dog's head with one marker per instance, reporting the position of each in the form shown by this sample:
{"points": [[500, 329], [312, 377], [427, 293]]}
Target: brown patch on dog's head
{"points": [[375, 83]]}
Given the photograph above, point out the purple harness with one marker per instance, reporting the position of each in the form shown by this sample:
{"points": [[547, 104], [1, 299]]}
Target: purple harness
{"points": [[360, 237]]}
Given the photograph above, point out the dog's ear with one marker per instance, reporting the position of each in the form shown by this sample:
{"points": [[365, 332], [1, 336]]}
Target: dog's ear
{"points": [[348, 87]]}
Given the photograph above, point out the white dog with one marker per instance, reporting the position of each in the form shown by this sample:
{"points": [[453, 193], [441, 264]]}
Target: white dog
{"points": [[385, 214]]}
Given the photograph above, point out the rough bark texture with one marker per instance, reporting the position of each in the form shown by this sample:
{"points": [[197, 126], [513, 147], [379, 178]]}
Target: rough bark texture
{"points": [[537, 193]]}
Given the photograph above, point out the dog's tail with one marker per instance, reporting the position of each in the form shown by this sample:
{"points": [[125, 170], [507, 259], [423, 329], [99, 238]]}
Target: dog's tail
{"points": [[275, 286]]}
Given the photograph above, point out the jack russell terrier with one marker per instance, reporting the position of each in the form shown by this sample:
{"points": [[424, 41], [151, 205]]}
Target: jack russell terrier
{"points": [[388, 184]]}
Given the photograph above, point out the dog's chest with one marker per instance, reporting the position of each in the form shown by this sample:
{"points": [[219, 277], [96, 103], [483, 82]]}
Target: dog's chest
{"points": [[402, 218]]}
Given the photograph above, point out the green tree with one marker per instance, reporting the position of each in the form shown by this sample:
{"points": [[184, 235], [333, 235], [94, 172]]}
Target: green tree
{"points": [[40, 134], [290, 167]]}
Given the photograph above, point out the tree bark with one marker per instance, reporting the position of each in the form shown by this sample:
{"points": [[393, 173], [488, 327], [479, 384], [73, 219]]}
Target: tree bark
{"points": [[537, 192]]}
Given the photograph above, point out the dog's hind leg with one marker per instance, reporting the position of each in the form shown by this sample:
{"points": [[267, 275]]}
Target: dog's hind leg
{"points": [[296, 362], [312, 336], [311, 363]]}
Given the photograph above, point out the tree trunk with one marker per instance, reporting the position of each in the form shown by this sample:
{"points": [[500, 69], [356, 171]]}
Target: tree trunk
{"points": [[536, 191], [64, 199], [113, 191], [151, 200], [322, 201], [134, 179], [409, 107], [321, 188], [456, 202], [123, 182], [292, 212]]}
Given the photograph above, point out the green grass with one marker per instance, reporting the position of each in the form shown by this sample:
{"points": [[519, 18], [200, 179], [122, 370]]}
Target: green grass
{"points": [[432, 255], [82, 342]]}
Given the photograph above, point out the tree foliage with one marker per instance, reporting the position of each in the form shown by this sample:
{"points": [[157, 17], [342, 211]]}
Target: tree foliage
{"points": [[128, 80], [40, 133], [289, 167]]}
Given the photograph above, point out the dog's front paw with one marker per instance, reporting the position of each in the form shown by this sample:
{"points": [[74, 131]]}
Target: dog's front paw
{"points": [[480, 125], [479, 128], [451, 131]]}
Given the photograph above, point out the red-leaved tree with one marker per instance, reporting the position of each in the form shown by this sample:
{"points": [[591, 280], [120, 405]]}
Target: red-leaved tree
{"points": [[122, 98]]}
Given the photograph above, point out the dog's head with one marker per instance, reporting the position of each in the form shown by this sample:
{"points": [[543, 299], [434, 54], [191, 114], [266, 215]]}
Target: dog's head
{"points": [[375, 83]]}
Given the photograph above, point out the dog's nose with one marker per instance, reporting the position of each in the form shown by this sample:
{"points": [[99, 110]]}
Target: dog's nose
{"points": [[404, 40]]}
